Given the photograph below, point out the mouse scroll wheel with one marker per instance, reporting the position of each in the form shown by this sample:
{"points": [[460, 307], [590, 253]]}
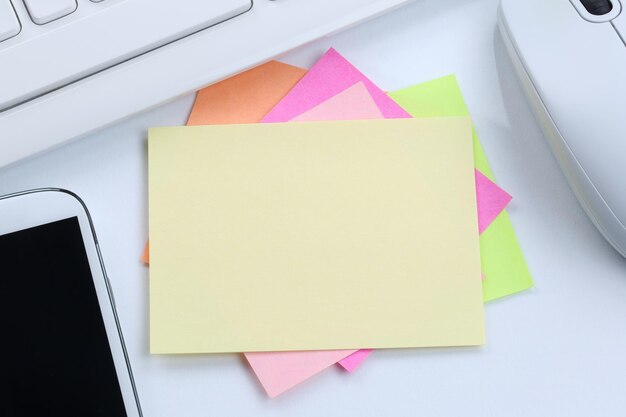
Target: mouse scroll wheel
{"points": [[597, 7]]}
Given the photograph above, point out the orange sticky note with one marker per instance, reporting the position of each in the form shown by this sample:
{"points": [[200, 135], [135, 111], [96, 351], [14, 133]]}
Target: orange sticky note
{"points": [[145, 255], [244, 98]]}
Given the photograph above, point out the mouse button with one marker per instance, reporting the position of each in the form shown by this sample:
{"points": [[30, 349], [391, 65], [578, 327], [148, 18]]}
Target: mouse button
{"points": [[598, 7], [597, 11]]}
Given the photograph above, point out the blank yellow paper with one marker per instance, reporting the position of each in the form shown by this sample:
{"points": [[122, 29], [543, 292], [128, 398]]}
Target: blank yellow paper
{"points": [[309, 236]]}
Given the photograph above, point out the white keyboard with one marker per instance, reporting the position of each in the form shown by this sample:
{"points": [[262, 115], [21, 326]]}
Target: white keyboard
{"points": [[47, 44], [70, 67]]}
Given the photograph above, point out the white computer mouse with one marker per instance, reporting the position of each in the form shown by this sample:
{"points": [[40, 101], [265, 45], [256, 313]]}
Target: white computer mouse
{"points": [[570, 56]]}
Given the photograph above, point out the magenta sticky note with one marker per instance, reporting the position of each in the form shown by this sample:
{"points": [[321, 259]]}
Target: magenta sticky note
{"points": [[491, 200], [331, 75], [350, 363]]}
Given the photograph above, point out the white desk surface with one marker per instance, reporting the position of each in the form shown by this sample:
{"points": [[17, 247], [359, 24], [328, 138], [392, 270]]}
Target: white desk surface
{"points": [[557, 350]]}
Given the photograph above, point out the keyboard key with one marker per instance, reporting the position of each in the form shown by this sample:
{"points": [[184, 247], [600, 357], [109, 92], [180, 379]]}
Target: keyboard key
{"points": [[9, 25], [45, 11]]}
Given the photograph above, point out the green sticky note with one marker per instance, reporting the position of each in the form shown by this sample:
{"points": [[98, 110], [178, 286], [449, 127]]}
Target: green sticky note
{"points": [[501, 257]]}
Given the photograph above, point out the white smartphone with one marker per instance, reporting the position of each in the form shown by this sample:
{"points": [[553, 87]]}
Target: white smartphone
{"points": [[62, 348]]}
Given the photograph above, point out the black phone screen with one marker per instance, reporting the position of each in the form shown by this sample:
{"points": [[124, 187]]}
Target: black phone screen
{"points": [[55, 358]]}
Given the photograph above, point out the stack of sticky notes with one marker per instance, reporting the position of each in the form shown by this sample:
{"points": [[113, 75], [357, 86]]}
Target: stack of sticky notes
{"points": [[308, 217]]}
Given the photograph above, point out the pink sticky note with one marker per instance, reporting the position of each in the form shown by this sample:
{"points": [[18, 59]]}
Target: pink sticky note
{"points": [[354, 103], [280, 371], [491, 200], [331, 75]]}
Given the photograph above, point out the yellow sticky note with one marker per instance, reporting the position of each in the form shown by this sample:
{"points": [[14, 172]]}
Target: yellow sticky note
{"points": [[502, 259], [313, 236]]}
